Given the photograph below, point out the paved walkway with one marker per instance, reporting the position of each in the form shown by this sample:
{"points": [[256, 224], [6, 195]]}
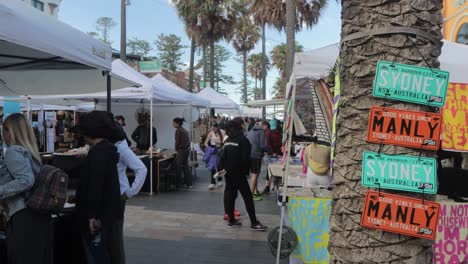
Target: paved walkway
{"points": [[187, 227]]}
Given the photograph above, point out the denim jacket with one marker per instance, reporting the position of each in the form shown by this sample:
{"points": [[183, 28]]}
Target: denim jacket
{"points": [[17, 176]]}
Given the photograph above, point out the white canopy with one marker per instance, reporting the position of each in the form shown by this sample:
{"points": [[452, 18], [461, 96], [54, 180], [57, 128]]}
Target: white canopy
{"points": [[46, 107], [319, 62], [217, 100], [41, 55], [196, 100]]}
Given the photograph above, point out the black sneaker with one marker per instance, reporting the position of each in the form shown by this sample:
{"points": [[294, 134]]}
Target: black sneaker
{"points": [[236, 224], [258, 227], [266, 190]]}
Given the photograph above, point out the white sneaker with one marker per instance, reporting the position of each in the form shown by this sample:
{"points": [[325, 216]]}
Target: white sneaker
{"points": [[219, 174], [220, 183], [211, 186]]}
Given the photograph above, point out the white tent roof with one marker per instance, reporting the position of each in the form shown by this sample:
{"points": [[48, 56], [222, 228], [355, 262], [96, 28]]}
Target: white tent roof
{"points": [[217, 100], [196, 100], [261, 103], [318, 63], [41, 55]]}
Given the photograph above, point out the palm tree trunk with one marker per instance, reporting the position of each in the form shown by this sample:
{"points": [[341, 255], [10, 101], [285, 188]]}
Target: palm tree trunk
{"points": [[244, 68], [212, 62], [290, 35], [204, 66], [192, 63], [123, 31], [349, 242], [264, 71]]}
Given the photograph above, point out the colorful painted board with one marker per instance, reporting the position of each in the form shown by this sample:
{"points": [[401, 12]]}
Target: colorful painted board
{"points": [[455, 119], [399, 172], [400, 214], [405, 128], [410, 83], [451, 245], [310, 219]]}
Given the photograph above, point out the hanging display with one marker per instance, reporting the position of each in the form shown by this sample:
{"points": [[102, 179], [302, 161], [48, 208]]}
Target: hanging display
{"points": [[455, 119], [410, 83], [404, 128], [399, 172], [400, 214]]}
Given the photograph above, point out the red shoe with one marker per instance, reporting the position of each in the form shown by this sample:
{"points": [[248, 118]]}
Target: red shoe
{"points": [[237, 213], [226, 217]]}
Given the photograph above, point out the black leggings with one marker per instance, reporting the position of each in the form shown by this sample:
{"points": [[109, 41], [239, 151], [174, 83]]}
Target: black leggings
{"points": [[235, 183]]}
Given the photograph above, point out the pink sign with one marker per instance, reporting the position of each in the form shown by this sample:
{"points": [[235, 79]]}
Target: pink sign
{"points": [[451, 244]]}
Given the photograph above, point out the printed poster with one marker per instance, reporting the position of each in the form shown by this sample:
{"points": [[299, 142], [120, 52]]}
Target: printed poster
{"points": [[451, 244], [310, 219], [455, 118]]}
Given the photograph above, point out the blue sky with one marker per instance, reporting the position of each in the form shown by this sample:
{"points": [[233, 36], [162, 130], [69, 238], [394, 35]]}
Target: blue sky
{"points": [[148, 18]]}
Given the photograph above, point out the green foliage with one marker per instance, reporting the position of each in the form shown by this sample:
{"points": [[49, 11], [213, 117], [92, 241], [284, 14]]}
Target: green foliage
{"points": [[170, 51], [222, 55], [103, 26], [139, 47], [279, 88], [278, 56], [254, 65]]}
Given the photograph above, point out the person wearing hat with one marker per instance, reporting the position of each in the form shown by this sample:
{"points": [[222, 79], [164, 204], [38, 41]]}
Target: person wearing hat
{"points": [[120, 121]]}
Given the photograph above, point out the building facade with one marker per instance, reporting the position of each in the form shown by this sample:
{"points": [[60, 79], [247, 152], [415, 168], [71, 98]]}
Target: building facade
{"points": [[456, 21], [50, 7]]}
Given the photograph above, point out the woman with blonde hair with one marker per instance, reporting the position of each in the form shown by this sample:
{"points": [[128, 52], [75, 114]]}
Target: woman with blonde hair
{"points": [[28, 232]]}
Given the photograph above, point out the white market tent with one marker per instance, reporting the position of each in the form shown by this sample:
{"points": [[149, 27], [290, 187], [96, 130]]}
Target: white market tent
{"points": [[41, 55], [218, 101], [195, 99], [319, 62]]}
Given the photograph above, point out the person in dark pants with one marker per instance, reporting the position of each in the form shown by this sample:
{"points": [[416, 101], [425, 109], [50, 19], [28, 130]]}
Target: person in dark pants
{"points": [[98, 200], [29, 233], [182, 146], [235, 160]]}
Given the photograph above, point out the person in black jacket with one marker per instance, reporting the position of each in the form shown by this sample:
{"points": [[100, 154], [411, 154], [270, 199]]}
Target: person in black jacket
{"points": [[235, 160], [141, 135], [98, 195]]}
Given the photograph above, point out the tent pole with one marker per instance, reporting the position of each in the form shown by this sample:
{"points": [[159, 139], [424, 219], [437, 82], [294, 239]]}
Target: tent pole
{"points": [[109, 93], [151, 145], [29, 109]]}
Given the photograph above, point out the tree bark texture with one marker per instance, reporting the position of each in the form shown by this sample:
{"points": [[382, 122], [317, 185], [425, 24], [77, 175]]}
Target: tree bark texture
{"points": [[212, 64], [349, 242], [192, 64], [264, 71], [204, 66], [245, 93], [123, 31], [290, 35]]}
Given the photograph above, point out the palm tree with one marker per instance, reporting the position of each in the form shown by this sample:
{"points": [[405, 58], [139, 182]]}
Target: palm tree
{"points": [[349, 242], [246, 35], [273, 13], [278, 57], [255, 69]]}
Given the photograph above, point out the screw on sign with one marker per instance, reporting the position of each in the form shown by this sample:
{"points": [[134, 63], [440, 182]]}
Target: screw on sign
{"points": [[400, 214]]}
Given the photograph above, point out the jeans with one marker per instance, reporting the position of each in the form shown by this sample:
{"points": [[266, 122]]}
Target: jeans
{"points": [[238, 183]]}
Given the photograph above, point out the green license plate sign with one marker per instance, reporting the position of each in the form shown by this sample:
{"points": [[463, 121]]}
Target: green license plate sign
{"points": [[399, 172], [410, 83], [150, 66]]}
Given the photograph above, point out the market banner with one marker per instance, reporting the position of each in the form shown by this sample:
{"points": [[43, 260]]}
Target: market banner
{"points": [[412, 129], [400, 214], [451, 244], [410, 83], [455, 119], [310, 219], [399, 172]]}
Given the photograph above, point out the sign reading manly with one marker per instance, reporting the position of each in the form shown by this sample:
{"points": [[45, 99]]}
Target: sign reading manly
{"points": [[400, 214], [405, 128]]}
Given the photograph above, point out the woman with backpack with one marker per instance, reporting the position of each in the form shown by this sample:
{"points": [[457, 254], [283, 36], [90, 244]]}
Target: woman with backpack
{"points": [[28, 232]]}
